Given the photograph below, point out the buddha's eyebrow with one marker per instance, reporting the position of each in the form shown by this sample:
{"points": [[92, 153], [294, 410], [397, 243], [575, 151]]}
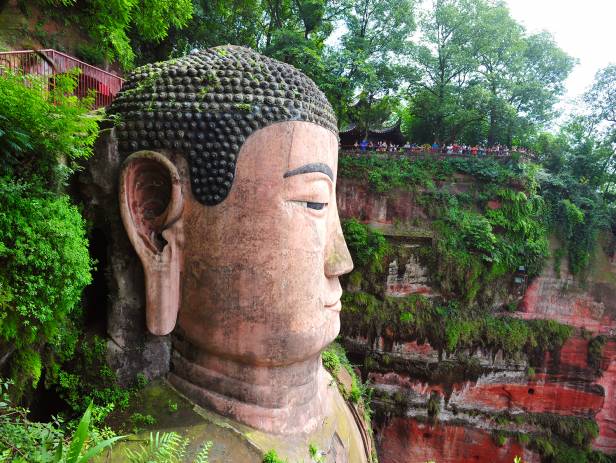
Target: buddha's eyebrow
{"points": [[309, 168]]}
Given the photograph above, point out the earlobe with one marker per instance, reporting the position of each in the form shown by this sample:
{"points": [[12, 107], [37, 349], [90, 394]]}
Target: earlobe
{"points": [[151, 205]]}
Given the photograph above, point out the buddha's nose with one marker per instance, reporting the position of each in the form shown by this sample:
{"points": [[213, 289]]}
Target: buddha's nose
{"points": [[337, 256]]}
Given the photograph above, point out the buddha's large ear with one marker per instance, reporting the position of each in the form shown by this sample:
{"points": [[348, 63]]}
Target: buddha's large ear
{"points": [[151, 204]]}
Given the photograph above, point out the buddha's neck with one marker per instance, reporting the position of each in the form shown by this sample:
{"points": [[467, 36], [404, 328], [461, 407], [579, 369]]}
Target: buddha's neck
{"points": [[281, 399]]}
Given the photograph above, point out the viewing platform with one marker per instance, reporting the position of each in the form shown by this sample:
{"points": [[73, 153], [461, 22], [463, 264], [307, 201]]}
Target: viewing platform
{"points": [[418, 154]]}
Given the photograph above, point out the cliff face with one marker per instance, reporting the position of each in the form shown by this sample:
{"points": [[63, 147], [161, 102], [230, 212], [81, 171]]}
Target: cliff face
{"points": [[476, 404]]}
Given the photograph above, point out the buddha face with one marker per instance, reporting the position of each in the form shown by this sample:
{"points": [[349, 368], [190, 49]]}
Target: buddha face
{"points": [[255, 278]]}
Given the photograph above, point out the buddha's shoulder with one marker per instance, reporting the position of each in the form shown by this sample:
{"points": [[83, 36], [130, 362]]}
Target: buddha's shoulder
{"points": [[160, 409]]}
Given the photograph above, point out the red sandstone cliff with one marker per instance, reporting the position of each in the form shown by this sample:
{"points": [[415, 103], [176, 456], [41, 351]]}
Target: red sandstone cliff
{"points": [[565, 385]]}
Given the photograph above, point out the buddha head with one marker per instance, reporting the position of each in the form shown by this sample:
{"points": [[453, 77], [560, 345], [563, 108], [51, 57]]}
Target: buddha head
{"points": [[227, 194]]}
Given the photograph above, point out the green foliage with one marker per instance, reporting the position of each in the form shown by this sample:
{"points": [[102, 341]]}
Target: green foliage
{"points": [[172, 406], [272, 457], [315, 454], [578, 188], [595, 351], [500, 439], [473, 248], [86, 378], [114, 27], [557, 438], [386, 174], [137, 419], [44, 265], [523, 439], [558, 451], [474, 245], [331, 361], [334, 358], [43, 132], [22, 440], [482, 77], [602, 96], [449, 328], [44, 261], [77, 446], [368, 247], [169, 447]]}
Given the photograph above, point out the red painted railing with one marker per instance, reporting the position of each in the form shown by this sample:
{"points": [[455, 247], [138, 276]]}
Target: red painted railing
{"points": [[90, 79]]}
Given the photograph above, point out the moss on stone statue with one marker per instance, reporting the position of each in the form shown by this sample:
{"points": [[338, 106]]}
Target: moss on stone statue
{"points": [[168, 411]]}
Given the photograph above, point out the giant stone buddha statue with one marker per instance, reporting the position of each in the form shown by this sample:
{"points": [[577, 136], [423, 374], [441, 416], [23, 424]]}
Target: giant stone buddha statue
{"points": [[228, 196]]}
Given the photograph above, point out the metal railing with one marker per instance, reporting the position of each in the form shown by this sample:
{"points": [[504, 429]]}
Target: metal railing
{"points": [[49, 63]]}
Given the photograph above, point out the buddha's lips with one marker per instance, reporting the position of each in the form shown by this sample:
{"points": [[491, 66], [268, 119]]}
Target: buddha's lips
{"points": [[336, 306]]}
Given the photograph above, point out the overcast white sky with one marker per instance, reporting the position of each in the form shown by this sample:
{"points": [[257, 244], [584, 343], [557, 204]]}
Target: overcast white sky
{"points": [[585, 29]]}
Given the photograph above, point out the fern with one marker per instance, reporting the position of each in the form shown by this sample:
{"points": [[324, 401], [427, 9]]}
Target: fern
{"points": [[204, 453], [167, 448]]}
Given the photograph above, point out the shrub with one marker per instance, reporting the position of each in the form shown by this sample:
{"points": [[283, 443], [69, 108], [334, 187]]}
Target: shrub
{"points": [[473, 245], [272, 457], [44, 261], [367, 246], [450, 327], [42, 132], [44, 266], [22, 440], [500, 439], [334, 357]]}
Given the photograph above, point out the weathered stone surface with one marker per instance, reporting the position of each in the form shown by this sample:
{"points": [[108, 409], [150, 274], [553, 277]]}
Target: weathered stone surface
{"points": [[566, 386], [131, 349], [260, 300], [336, 438], [407, 441], [414, 280], [563, 385], [392, 213], [606, 418], [234, 220], [204, 105], [559, 296]]}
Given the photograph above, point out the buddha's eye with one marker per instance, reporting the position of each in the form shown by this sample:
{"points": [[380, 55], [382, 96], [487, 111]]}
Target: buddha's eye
{"points": [[316, 206], [312, 205]]}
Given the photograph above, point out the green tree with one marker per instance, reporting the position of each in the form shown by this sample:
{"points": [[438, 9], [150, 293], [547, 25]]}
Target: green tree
{"points": [[576, 189], [444, 99], [480, 76], [114, 25], [214, 22], [601, 101], [602, 96], [523, 73], [371, 53]]}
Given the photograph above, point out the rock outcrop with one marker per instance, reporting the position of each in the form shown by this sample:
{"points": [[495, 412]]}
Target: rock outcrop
{"points": [[470, 406]]}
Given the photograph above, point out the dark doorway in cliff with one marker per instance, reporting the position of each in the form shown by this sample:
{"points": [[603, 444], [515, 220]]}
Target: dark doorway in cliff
{"points": [[46, 402], [96, 294]]}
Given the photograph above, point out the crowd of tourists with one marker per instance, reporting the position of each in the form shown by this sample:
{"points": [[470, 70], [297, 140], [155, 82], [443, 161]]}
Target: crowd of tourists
{"points": [[436, 148]]}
